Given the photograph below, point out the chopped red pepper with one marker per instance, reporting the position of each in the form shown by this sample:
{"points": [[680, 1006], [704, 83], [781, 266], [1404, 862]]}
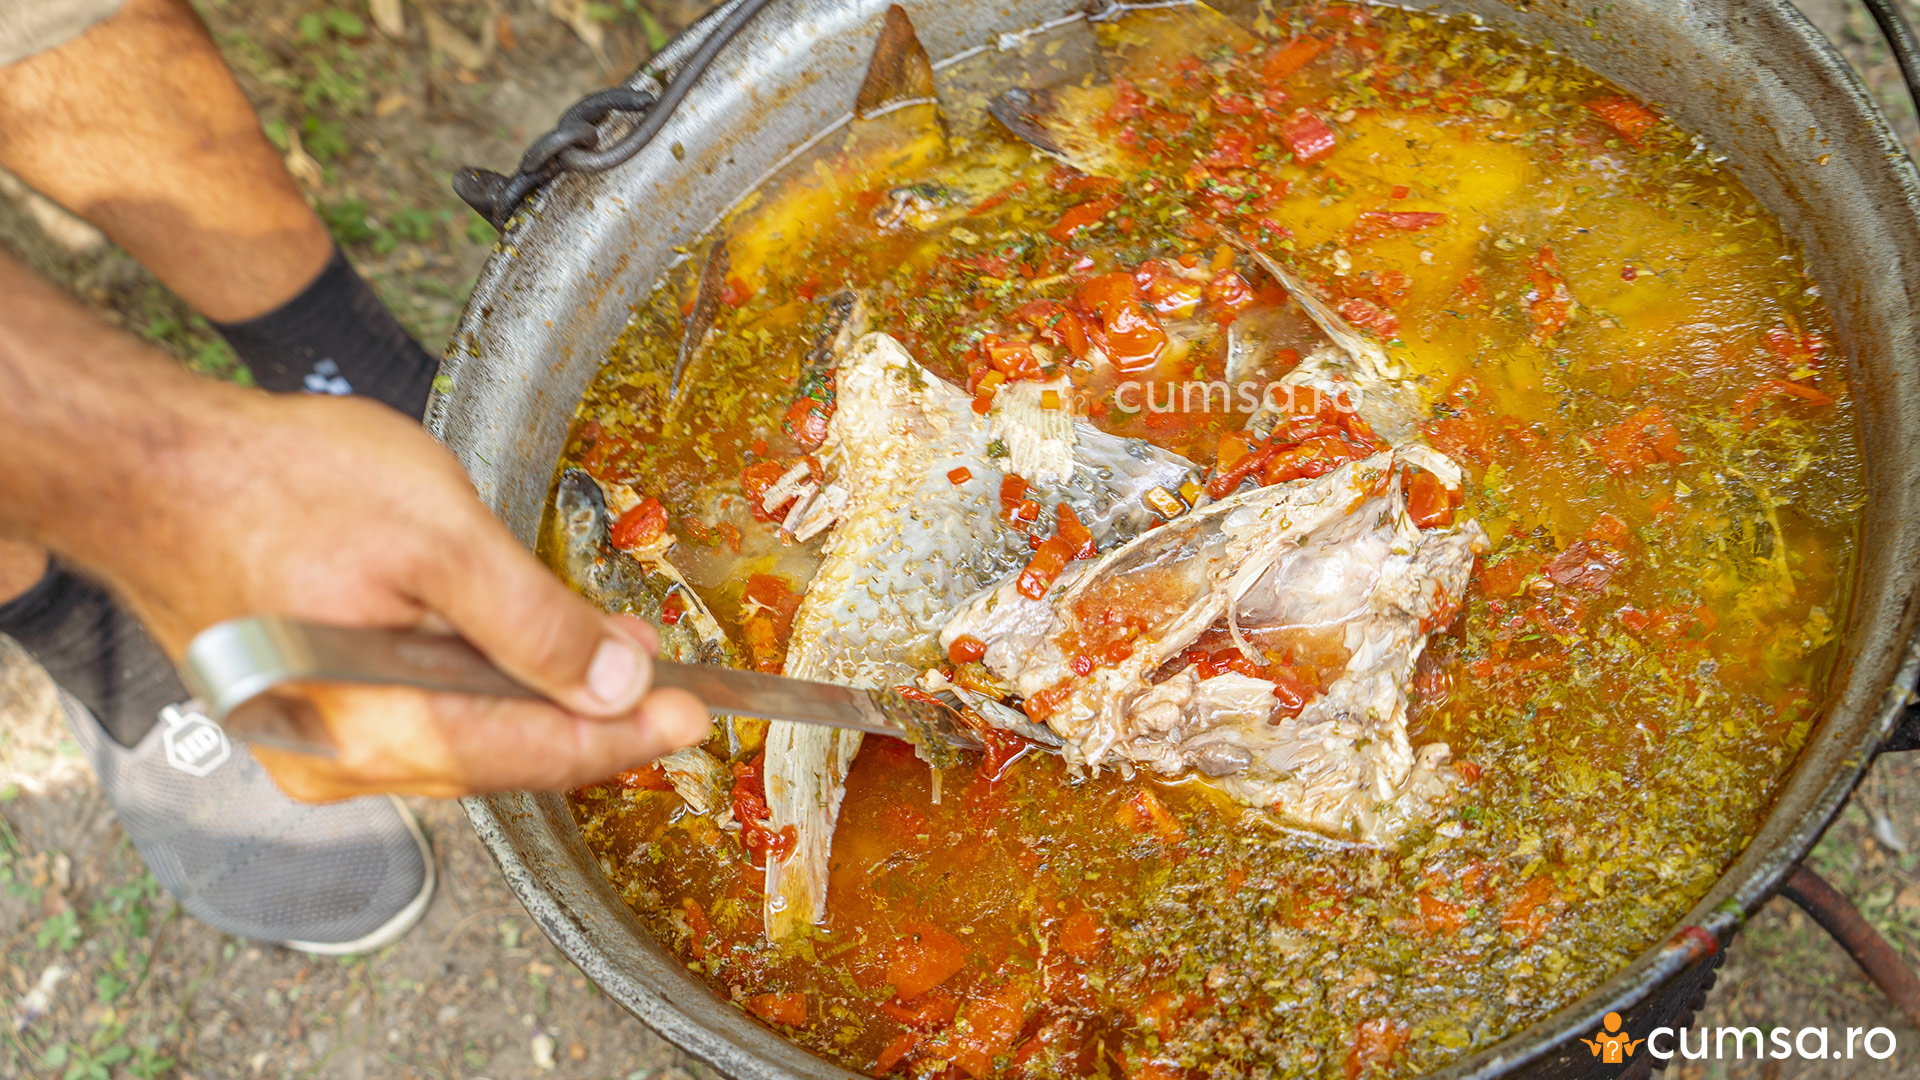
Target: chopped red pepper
{"points": [[1052, 557], [1307, 136], [807, 422], [1626, 116], [640, 525], [1077, 536], [1013, 492], [787, 1009]]}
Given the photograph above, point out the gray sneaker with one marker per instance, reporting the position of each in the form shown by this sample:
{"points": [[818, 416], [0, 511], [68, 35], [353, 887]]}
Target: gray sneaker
{"points": [[242, 857]]}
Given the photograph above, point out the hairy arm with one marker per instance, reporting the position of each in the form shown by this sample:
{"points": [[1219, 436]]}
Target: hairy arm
{"points": [[197, 501]]}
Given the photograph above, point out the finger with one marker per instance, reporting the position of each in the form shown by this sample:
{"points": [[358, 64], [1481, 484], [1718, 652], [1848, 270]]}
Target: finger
{"points": [[409, 742], [512, 748], [539, 631]]}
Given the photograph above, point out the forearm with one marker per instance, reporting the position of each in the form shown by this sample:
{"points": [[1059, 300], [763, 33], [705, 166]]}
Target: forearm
{"points": [[138, 126], [97, 425]]}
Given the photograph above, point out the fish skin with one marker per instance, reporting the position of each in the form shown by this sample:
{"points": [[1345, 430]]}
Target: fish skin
{"points": [[1337, 554], [909, 547], [639, 583]]}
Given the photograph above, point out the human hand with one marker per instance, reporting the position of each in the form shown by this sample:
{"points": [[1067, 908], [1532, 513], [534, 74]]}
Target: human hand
{"points": [[339, 511]]}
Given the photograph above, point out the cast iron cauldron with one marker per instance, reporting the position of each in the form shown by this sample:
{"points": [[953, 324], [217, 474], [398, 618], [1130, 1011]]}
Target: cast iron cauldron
{"points": [[1752, 76]]}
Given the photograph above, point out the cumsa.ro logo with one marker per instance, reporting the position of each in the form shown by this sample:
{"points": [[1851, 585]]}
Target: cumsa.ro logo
{"points": [[1613, 1045]]}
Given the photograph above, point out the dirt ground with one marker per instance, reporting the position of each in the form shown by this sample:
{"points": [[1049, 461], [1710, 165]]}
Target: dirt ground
{"points": [[103, 978]]}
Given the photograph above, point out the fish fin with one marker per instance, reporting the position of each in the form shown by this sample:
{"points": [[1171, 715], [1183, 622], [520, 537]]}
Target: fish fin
{"points": [[706, 307], [806, 777], [1039, 441], [900, 72]]}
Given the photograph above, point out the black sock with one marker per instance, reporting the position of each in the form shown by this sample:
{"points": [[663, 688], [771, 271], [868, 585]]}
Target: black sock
{"points": [[336, 337], [95, 651]]}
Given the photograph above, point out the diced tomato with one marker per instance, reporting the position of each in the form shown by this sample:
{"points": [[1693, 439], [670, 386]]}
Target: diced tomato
{"points": [[1044, 569], [1292, 695], [1307, 137], [673, 609], [1750, 402], [1427, 501], [1400, 191], [1526, 914], [1077, 536], [1624, 115], [1081, 216], [1230, 150], [923, 958], [1377, 223], [1638, 441], [966, 649], [1439, 916], [1234, 104], [1145, 810], [734, 292], [1229, 294], [959, 476], [1003, 749], [645, 778], [807, 422], [930, 1011], [698, 928], [1082, 934], [1607, 527], [1368, 315], [895, 1052], [1549, 303], [750, 810], [641, 525], [755, 480], [789, 1010], [1129, 334], [1290, 58], [993, 1022], [1375, 1042]]}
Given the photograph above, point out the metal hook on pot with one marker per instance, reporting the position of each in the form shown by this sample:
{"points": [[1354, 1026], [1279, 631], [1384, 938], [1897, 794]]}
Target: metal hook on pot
{"points": [[578, 144]]}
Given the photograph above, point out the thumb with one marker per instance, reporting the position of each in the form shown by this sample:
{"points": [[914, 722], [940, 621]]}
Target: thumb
{"points": [[526, 620]]}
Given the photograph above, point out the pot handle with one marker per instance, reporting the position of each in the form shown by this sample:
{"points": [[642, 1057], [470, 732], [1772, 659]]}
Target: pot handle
{"points": [[1900, 40], [578, 144]]}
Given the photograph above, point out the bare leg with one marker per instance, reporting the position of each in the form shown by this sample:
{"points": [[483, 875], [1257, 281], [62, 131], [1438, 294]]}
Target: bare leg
{"points": [[138, 126], [21, 567]]}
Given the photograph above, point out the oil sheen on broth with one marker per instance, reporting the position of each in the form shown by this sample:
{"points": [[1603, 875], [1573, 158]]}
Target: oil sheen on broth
{"points": [[1608, 334]]}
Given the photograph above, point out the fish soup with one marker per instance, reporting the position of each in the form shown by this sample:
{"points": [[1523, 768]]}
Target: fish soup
{"points": [[1384, 495]]}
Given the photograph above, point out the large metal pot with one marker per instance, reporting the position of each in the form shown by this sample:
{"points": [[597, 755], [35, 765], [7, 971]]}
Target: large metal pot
{"points": [[1752, 76]]}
